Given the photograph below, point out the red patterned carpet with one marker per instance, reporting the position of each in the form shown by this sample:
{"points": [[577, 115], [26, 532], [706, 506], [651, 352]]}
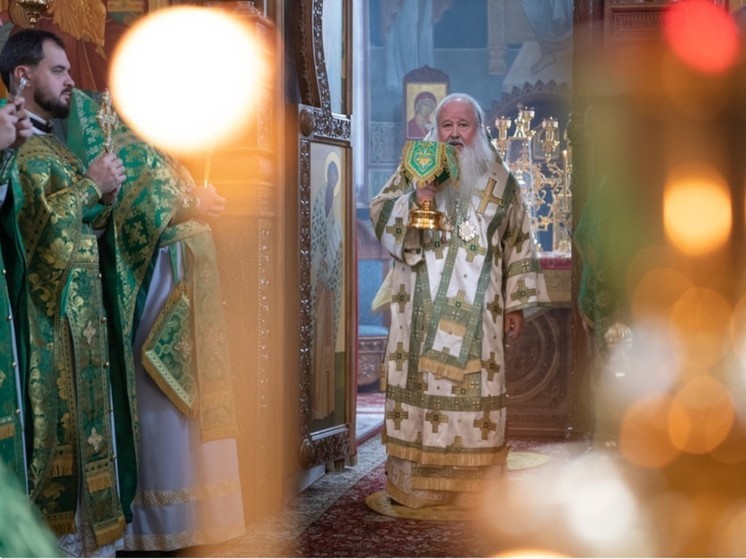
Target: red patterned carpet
{"points": [[350, 529], [331, 518]]}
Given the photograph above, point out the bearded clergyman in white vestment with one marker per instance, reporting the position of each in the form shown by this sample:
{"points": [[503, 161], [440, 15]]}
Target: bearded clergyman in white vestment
{"points": [[457, 296]]}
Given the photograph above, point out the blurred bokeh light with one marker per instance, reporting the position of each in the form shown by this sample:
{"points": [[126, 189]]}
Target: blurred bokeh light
{"points": [[702, 34], [184, 77], [697, 209]]}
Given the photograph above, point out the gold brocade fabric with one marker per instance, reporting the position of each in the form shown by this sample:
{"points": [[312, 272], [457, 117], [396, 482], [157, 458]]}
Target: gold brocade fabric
{"points": [[185, 352], [192, 325], [72, 452]]}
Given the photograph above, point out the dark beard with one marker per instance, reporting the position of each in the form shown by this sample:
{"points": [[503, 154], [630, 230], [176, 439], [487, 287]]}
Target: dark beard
{"points": [[52, 106]]}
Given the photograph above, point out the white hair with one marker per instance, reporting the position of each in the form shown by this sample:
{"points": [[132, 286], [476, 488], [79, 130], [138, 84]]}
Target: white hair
{"points": [[474, 159]]}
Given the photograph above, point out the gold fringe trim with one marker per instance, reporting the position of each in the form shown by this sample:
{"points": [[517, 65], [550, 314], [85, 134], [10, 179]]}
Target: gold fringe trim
{"points": [[466, 458], [414, 502], [450, 327], [179, 540], [109, 534], [7, 431], [450, 372], [98, 481], [189, 409], [62, 523], [447, 484], [200, 493], [62, 466]]}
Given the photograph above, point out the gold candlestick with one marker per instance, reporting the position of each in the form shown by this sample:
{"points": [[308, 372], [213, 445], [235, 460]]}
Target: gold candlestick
{"points": [[501, 143], [549, 142], [523, 123]]}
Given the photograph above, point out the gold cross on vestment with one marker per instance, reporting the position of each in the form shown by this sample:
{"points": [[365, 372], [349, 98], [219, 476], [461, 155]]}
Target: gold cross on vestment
{"points": [[457, 307], [517, 237], [522, 292], [401, 298], [436, 245], [472, 249], [485, 424], [488, 196], [436, 418], [398, 415], [470, 387], [399, 356], [107, 119], [492, 366], [397, 229], [495, 308], [421, 383]]}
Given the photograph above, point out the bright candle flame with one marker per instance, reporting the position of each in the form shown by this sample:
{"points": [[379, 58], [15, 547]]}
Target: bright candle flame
{"points": [[184, 78]]}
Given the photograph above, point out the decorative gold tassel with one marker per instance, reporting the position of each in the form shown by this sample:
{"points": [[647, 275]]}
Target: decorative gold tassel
{"points": [[109, 534], [62, 466], [98, 481], [62, 524]]}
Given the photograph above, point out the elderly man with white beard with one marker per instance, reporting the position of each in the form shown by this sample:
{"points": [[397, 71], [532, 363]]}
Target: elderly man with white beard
{"points": [[455, 297]]}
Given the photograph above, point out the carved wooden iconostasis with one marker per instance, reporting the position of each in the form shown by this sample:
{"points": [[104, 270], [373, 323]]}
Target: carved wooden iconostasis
{"points": [[325, 243]]}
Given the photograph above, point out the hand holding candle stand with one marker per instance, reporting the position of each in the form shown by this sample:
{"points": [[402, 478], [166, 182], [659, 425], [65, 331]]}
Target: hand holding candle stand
{"points": [[427, 165]]}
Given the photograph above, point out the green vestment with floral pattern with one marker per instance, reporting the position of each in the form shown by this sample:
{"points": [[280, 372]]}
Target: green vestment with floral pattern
{"points": [[185, 353], [72, 454], [13, 328]]}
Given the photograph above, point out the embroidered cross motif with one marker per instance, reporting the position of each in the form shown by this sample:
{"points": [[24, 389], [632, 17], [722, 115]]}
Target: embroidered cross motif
{"points": [[472, 249], [485, 425], [522, 292], [457, 442], [469, 387], [526, 266], [436, 245], [421, 383], [399, 355], [89, 332], [517, 237], [495, 308], [436, 418], [488, 196], [457, 307], [492, 366], [401, 298], [397, 230], [398, 415], [95, 439]]}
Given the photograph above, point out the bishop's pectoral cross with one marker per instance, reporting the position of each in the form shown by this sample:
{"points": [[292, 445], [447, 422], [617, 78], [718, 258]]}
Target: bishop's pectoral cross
{"points": [[107, 119]]}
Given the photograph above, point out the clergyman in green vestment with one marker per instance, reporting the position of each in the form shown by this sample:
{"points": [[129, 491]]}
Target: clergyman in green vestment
{"points": [[71, 472], [15, 128], [169, 342]]}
